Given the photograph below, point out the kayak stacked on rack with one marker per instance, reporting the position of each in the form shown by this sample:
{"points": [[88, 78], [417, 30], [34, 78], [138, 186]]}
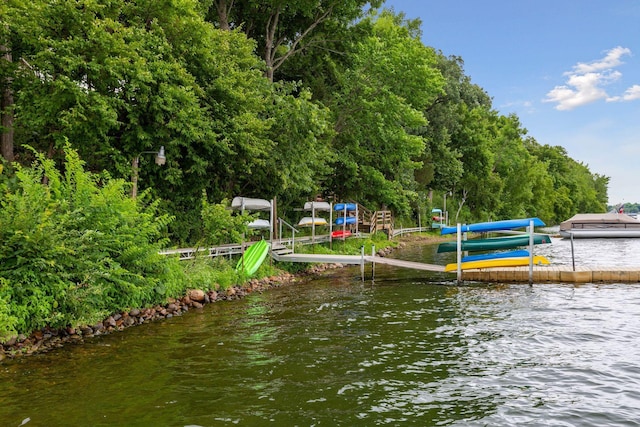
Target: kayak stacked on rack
{"points": [[511, 258], [346, 215], [494, 243]]}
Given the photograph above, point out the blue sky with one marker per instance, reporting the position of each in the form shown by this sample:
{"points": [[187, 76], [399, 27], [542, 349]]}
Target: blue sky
{"points": [[569, 69]]}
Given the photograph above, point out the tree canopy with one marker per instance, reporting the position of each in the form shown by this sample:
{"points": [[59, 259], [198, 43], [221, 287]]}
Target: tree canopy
{"points": [[270, 99]]}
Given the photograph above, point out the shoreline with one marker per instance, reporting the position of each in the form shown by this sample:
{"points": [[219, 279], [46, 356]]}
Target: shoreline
{"points": [[47, 339]]}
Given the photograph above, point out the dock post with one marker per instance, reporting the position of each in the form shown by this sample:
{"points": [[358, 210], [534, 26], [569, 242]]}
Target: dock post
{"points": [[362, 262], [573, 258], [531, 252], [459, 252], [373, 262]]}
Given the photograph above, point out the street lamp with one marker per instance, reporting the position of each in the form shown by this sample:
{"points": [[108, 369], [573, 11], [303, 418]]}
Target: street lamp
{"points": [[160, 160]]}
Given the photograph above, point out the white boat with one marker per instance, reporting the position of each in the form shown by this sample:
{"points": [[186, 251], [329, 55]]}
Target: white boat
{"points": [[260, 224], [318, 206], [603, 225], [249, 204], [308, 221]]}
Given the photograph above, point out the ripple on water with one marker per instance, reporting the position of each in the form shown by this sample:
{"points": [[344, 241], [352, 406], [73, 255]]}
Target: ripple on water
{"points": [[400, 353]]}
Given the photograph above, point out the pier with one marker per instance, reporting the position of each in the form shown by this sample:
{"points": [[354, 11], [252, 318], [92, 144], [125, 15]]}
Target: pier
{"points": [[554, 274], [358, 260], [540, 274]]}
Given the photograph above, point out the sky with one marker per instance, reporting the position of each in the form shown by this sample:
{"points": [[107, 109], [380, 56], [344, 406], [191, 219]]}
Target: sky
{"points": [[569, 69]]}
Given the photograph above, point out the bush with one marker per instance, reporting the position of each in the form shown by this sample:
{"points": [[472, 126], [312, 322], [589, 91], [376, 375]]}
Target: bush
{"points": [[77, 248]]}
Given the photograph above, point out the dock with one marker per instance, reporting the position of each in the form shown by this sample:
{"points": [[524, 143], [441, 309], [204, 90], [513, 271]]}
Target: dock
{"points": [[540, 274], [358, 260], [554, 274]]}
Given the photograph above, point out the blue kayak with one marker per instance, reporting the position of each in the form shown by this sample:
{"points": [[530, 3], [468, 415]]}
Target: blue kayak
{"points": [[496, 255], [482, 227], [348, 220], [343, 206]]}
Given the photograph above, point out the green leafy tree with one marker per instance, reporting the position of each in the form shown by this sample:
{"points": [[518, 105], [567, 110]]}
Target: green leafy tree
{"points": [[442, 165], [283, 29], [221, 225], [380, 97]]}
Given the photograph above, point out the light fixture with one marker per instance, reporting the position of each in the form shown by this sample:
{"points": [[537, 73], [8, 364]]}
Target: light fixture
{"points": [[161, 159]]}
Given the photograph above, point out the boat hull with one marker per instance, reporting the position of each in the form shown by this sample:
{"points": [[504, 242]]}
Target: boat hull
{"points": [[340, 234], [308, 221], [344, 207], [497, 263], [483, 227], [492, 244], [259, 224], [497, 255], [350, 220], [600, 234], [253, 258]]}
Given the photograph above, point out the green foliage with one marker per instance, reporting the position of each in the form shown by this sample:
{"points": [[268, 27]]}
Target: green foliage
{"points": [[8, 321], [77, 248], [211, 274], [379, 96], [273, 99], [223, 226]]}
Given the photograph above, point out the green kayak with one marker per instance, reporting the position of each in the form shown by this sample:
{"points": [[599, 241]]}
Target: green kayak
{"points": [[253, 258], [494, 243]]}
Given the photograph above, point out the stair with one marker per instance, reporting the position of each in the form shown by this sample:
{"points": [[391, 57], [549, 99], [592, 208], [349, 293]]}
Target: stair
{"points": [[278, 250], [371, 222]]}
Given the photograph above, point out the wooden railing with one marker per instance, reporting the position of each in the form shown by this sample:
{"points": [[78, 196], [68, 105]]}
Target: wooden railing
{"points": [[373, 221]]}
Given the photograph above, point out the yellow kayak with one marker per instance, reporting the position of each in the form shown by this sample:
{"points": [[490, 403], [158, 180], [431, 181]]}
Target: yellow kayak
{"points": [[499, 262]]}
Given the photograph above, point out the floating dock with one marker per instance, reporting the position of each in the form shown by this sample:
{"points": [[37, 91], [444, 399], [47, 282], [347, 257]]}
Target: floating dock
{"points": [[555, 274], [541, 274]]}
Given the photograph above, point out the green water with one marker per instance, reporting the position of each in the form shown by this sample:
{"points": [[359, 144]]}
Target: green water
{"points": [[406, 349]]}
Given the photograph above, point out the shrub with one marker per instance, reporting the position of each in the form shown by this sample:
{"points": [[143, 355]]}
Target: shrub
{"points": [[78, 248]]}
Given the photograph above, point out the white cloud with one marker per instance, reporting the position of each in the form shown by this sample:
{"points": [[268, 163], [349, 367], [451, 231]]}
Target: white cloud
{"points": [[611, 60], [585, 82], [632, 93]]}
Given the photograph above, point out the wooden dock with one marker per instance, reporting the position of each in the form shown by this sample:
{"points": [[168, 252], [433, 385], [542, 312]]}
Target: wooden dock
{"points": [[541, 274], [554, 274]]}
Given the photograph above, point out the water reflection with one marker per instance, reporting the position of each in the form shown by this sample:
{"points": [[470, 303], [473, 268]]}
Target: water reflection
{"points": [[409, 348]]}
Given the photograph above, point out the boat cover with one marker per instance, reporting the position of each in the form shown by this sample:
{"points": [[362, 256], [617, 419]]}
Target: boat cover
{"points": [[597, 220]]}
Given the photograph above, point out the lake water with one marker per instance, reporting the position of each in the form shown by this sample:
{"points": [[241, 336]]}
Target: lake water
{"points": [[409, 348]]}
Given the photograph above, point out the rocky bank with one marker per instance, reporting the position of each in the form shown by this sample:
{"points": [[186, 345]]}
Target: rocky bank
{"points": [[47, 339]]}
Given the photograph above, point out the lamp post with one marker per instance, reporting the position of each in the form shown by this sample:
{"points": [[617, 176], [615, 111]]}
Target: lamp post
{"points": [[444, 208], [160, 160]]}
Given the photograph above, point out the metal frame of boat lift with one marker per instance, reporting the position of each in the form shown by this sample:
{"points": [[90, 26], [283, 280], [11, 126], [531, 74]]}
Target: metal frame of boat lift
{"points": [[493, 226]]}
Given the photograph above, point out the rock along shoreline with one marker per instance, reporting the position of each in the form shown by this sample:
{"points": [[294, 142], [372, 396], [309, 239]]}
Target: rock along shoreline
{"points": [[47, 339]]}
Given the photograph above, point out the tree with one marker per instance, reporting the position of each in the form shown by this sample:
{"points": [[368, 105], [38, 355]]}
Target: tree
{"points": [[7, 69], [576, 189], [379, 96], [284, 28], [442, 165]]}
